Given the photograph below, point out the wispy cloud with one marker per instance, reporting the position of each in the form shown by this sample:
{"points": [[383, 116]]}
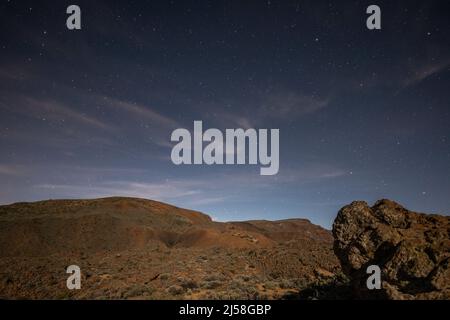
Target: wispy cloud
{"points": [[148, 121], [184, 193], [307, 173], [281, 105], [102, 118], [290, 105], [11, 170], [51, 110], [140, 111], [164, 191], [232, 120], [208, 201], [424, 71], [208, 190], [13, 72]]}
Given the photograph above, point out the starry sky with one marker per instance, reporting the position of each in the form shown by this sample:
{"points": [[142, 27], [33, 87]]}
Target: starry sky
{"points": [[362, 114]]}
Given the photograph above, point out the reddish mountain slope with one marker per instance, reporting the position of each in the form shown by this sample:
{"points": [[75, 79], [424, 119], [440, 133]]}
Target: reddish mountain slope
{"points": [[136, 248]]}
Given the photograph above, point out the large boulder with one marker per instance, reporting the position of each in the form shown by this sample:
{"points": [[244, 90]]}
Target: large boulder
{"points": [[411, 249]]}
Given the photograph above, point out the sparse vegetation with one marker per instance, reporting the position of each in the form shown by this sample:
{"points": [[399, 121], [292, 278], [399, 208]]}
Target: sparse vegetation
{"points": [[139, 249]]}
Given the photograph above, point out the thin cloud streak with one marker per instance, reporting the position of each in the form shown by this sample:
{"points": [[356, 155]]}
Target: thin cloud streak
{"points": [[168, 191], [282, 105], [52, 110], [140, 111], [426, 71], [288, 105], [11, 170]]}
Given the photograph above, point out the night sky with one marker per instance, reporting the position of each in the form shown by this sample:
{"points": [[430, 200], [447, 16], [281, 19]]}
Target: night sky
{"points": [[362, 114]]}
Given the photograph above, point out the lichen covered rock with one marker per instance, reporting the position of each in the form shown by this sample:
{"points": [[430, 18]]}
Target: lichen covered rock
{"points": [[411, 249]]}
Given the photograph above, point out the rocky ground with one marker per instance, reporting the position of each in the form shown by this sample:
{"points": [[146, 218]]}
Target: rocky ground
{"points": [[140, 249]]}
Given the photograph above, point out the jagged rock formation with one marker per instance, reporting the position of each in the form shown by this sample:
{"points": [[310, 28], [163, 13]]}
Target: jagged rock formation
{"points": [[412, 250]]}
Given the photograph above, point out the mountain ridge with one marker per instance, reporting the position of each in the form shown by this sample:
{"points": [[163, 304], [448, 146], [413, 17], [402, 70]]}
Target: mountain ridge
{"points": [[137, 248], [117, 223]]}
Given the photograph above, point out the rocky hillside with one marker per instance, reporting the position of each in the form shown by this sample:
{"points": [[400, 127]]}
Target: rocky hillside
{"points": [[112, 224], [131, 248], [136, 248]]}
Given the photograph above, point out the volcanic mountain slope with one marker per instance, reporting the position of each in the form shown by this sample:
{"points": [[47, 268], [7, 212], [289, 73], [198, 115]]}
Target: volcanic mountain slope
{"points": [[136, 248]]}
